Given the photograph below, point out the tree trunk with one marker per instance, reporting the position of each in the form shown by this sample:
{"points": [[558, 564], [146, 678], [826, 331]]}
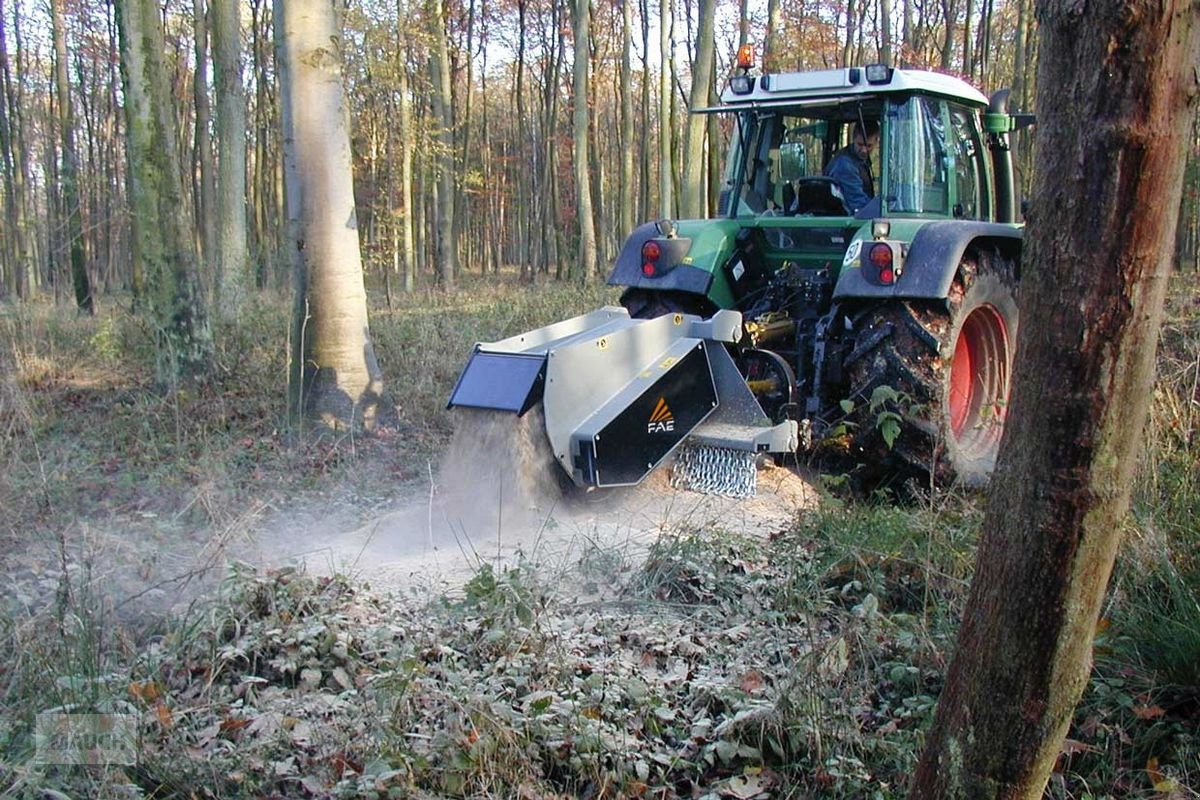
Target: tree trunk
{"points": [[203, 145], [407, 136], [772, 52], [885, 32], [666, 204], [69, 170], [443, 113], [627, 199], [692, 201], [232, 255], [16, 170], [162, 231], [1110, 163], [644, 160], [334, 379], [586, 256]]}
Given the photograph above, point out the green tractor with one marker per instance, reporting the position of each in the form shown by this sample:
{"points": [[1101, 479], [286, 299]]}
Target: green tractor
{"points": [[792, 317]]}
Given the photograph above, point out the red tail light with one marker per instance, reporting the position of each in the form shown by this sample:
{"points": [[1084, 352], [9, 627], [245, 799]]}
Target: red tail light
{"points": [[651, 252], [881, 258]]}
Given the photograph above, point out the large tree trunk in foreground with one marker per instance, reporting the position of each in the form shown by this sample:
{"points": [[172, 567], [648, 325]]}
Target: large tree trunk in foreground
{"points": [[334, 378], [1096, 266]]}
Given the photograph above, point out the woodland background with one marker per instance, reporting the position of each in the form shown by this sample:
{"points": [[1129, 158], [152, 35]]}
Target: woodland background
{"points": [[462, 116]]}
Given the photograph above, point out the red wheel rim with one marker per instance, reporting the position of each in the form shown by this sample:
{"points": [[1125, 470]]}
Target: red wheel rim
{"points": [[979, 379]]}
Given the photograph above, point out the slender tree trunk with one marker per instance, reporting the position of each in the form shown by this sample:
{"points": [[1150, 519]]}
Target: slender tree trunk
{"points": [[586, 256], [949, 10], [666, 202], [1110, 164], [966, 39], [206, 205], [1018, 76], [773, 53], [16, 170], [644, 160], [407, 135], [885, 32], [443, 113], [692, 200], [334, 378], [851, 32], [627, 199], [232, 250], [69, 170]]}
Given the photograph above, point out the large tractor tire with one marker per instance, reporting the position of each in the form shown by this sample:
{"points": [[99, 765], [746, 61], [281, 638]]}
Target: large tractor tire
{"points": [[949, 364]]}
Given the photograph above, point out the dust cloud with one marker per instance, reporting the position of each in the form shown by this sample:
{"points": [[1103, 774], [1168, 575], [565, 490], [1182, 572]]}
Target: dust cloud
{"points": [[499, 496]]}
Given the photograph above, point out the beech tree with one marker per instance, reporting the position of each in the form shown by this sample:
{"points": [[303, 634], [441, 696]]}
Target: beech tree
{"points": [[586, 262], [1116, 85], [232, 255], [692, 200], [334, 378]]}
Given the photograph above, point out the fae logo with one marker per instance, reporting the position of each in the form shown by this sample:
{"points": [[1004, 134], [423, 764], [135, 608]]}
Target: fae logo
{"points": [[661, 421]]}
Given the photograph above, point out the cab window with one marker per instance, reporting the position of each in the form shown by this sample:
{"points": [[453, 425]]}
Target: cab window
{"points": [[917, 158]]}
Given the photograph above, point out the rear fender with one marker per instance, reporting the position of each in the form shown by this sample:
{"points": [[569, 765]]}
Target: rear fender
{"points": [[931, 260], [673, 274]]}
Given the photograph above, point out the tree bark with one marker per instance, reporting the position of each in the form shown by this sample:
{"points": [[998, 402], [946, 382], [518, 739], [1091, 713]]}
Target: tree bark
{"points": [[1110, 164], [205, 158], [162, 230], [586, 256], [407, 137], [334, 378], [627, 199], [232, 252], [443, 112], [666, 203], [692, 202]]}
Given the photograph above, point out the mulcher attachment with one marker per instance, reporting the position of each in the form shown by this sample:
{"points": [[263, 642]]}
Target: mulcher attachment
{"points": [[621, 395]]}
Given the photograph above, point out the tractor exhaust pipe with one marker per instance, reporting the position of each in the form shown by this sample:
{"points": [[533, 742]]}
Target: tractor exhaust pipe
{"points": [[1002, 164]]}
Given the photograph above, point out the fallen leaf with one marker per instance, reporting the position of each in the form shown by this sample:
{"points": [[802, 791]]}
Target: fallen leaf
{"points": [[1148, 712], [752, 682], [146, 691], [163, 714], [1071, 747]]}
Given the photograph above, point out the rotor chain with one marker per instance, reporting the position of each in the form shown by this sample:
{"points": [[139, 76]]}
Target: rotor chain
{"points": [[715, 470]]}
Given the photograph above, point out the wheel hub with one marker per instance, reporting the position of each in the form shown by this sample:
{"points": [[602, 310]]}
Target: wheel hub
{"points": [[979, 379]]}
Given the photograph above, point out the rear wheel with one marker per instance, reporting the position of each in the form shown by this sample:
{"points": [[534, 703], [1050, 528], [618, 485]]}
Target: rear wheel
{"points": [[949, 366]]}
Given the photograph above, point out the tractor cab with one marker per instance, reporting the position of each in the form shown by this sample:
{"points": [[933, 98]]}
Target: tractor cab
{"points": [[931, 159]]}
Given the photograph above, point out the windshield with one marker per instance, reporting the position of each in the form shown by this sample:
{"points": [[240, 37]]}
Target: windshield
{"points": [[778, 159], [919, 155]]}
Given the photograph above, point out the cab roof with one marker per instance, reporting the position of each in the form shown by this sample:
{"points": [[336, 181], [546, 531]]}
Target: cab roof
{"points": [[786, 88]]}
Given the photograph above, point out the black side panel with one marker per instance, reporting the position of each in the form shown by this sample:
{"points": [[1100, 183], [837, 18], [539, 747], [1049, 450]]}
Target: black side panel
{"points": [[500, 381], [746, 270], [652, 425]]}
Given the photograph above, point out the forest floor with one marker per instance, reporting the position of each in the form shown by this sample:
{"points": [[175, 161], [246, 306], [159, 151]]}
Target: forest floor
{"points": [[282, 615]]}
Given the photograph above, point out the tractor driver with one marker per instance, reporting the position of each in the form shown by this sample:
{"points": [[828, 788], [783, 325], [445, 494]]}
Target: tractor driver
{"points": [[850, 167]]}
